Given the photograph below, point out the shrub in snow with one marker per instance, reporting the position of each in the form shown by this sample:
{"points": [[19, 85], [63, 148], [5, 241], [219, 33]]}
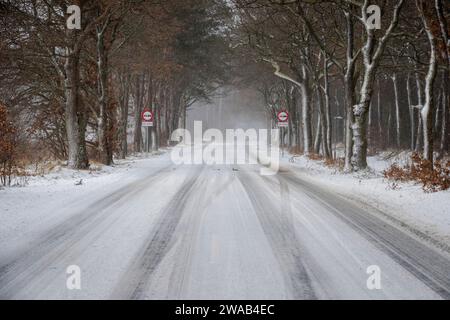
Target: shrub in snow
{"points": [[433, 178]]}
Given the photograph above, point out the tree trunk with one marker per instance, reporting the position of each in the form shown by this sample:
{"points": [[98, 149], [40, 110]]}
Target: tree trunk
{"points": [[182, 119], [323, 126], [359, 157], [104, 144], [419, 132], [294, 119], [349, 92], [306, 117], [445, 132], [381, 139], [137, 113], [123, 116], [397, 111], [389, 126], [318, 135], [445, 114], [328, 140], [369, 132], [428, 107], [74, 113], [156, 128], [169, 102], [411, 113]]}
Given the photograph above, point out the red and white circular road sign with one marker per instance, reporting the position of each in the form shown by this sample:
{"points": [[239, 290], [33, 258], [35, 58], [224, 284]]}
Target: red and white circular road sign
{"points": [[147, 118], [147, 115], [283, 116]]}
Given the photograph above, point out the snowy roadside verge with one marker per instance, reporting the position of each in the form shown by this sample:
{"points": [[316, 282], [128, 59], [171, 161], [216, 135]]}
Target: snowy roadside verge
{"points": [[408, 205], [56, 173], [28, 211]]}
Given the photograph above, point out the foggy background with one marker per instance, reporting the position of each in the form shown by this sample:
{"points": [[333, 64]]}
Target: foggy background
{"points": [[232, 108]]}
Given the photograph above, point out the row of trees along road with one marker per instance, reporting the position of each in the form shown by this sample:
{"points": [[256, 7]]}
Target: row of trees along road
{"points": [[73, 91], [383, 87], [77, 92]]}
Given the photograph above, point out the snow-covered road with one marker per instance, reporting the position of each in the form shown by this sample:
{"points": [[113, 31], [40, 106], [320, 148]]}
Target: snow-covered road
{"points": [[210, 232]]}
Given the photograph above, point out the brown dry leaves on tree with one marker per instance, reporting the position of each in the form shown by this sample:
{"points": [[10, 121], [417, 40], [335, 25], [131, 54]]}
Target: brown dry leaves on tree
{"points": [[7, 147]]}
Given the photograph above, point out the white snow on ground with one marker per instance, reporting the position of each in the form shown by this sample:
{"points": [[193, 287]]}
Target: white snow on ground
{"points": [[408, 203], [44, 201], [148, 229], [39, 202]]}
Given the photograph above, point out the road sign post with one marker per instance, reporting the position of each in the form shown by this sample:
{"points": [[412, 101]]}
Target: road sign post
{"points": [[283, 122], [147, 122]]}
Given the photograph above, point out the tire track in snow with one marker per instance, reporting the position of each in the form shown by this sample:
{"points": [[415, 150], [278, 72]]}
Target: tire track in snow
{"points": [[205, 192], [279, 229], [425, 263], [134, 282], [57, 242]]}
